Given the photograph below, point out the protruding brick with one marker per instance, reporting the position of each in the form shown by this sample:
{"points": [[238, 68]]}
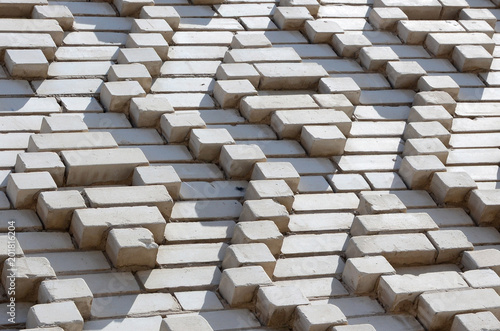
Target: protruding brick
{"points": [[158, 175], [146, 56], [426, 146], [41, 161], [185, 322], [266, 209], [26, 63], [380, 204], [168, 13], [115, 96], [131, 72], [259, 108], [416, 10], [361, 274], [442, 44], [484, 206], [356, 327], [321, 31], [404, 74], [90, 226], [289, 123], [102, 165], [149, 40], [277, 170], [348, 45], [451, 187], [290, 76], [480, 259], [435, 98], [322, 140], [311, 5], [239, 160], [392, 223], [64, 314], [450, 244], [132, 249], [375, 58], [60, 13], [436, 309], [386, 18], [66, 123], [431, 113], [482, 14], [414, 32], [276, 304], [239, 285], [238, 71], [55, 209], [471, 58], [432, 129], [398, 292], [56, 142], [417, 171], [439, 83], [451, 8], [23, 188], [482, 278], [318, 317], [75, 290], [131, 7], [150, 195], [153, 25], [147, 111], [250, 40], [398, 249], [238, 255], [229, 92], [291, 18], [335, 101], [484, 320], [342, 85], [176, 127], [277, 190], [206, 144], [265, 232], [28, 273]]}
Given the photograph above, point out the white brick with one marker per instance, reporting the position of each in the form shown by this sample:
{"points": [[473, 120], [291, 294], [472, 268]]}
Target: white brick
{"points": [[176, 127], [75, 290], [238, 255], [239, 285], [417, 171], [90, 226], [151, 195], [206, 144], [64, 314], [132, 248], [239, 160], [29, 63], [147, 111], [322, 140], [28, 273], [317, 317], [23, 188], [361, 274], [276, 304], [436, 310], [102, 165], [115, 96], [55, 209]]}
